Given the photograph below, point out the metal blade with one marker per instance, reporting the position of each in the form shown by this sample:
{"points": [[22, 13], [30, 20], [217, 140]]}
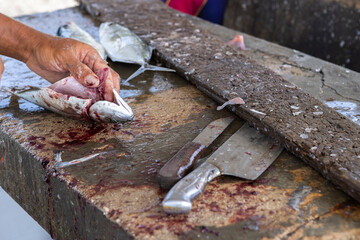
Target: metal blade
{"points": [[213, 130], [246, 154]]}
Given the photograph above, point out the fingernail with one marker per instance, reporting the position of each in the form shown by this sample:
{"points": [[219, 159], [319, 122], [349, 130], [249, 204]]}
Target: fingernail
{"points": [[90, 80]]}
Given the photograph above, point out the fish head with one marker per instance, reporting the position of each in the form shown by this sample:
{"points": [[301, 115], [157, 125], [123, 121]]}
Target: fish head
{"points": [[117, 111], [105, 111], [123, 45]]}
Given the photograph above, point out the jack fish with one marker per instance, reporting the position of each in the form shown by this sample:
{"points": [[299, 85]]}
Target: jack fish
{"points": [[69, 98], [122, 45], [71, 30]]}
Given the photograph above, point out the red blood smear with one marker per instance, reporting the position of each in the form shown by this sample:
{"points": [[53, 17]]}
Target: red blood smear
{"points": [[76, 137], [214, 207], [32, 138]]}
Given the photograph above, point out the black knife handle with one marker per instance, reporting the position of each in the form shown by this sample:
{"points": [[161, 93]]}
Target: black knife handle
{"points": [[180, 164]]}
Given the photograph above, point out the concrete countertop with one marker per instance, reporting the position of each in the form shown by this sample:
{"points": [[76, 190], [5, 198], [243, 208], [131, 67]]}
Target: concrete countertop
{"points": [[115, 196]]}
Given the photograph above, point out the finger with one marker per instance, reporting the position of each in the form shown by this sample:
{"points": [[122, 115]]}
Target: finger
{"points": [[108, 87], [82, 73], [116, 80], [51, 76], [112, 80], [1, 67], [96, 63]]}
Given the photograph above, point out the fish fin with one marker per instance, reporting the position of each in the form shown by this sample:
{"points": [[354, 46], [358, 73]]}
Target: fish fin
{"points": [[136, 73], [148, 67], [7, 90], [156, 68], [119, 101], [26, 89]]}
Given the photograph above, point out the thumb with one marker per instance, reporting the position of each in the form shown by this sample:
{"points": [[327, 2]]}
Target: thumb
{"points": [[82, 73]]}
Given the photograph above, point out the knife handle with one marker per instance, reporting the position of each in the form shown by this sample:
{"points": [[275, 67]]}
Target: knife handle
{"points": [[180, 164], [178, 199]]}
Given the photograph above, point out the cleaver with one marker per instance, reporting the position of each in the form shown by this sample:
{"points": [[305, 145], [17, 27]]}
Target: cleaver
{"points": [[246, 154], [181, 163]]}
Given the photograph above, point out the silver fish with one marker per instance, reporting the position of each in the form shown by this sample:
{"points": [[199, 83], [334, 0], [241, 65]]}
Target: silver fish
{"points": [[87, 103], [71, 30], [122, 45]]}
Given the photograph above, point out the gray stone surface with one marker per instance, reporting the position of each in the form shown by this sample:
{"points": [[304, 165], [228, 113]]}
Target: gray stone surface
{"points": [[336, 86], [305, 126], [116, 196]]}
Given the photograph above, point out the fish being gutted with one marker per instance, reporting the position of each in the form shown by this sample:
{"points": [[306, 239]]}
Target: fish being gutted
{"points": [[122, 45], [71, 30], [69, 98]]}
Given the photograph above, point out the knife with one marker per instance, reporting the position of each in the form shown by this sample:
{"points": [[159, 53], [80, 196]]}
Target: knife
{"points": [[246, 154], [180, 164]]}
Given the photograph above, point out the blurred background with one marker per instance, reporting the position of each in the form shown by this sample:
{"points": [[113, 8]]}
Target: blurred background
{"points": [[15, 8], [15, 223]]}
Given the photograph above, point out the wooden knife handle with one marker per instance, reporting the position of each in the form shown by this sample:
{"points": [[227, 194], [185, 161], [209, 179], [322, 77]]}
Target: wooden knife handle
{"points": [[180, 164]]}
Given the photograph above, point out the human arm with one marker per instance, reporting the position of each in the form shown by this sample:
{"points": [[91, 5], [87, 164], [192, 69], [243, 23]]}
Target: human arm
{"points": [[54, 58]]}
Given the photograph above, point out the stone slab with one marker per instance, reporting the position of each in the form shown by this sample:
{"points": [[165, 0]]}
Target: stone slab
{"points": [[275, 106], [115, 196]]}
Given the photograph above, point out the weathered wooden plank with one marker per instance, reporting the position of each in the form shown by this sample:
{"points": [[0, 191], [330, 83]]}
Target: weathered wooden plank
{"points": [[320, 136]]}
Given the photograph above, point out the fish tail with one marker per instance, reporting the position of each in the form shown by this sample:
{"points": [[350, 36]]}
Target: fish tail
{"points": [[148, 67], [137, 73]]}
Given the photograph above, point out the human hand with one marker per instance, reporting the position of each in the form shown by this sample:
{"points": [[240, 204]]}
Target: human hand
{"points": [[1, 68], [54, 58]]}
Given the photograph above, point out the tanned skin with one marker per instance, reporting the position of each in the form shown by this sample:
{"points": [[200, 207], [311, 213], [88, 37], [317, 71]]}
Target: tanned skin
{"points": [[54, 58]]}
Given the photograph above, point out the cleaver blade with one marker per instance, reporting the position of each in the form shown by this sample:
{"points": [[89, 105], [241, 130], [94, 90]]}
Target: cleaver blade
{"points": [[246, 154], [181, 163]]}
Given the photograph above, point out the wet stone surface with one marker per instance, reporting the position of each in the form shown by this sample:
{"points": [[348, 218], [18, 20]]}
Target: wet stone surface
{"points": [[115, 195], [274, 105], [335, 86]]}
